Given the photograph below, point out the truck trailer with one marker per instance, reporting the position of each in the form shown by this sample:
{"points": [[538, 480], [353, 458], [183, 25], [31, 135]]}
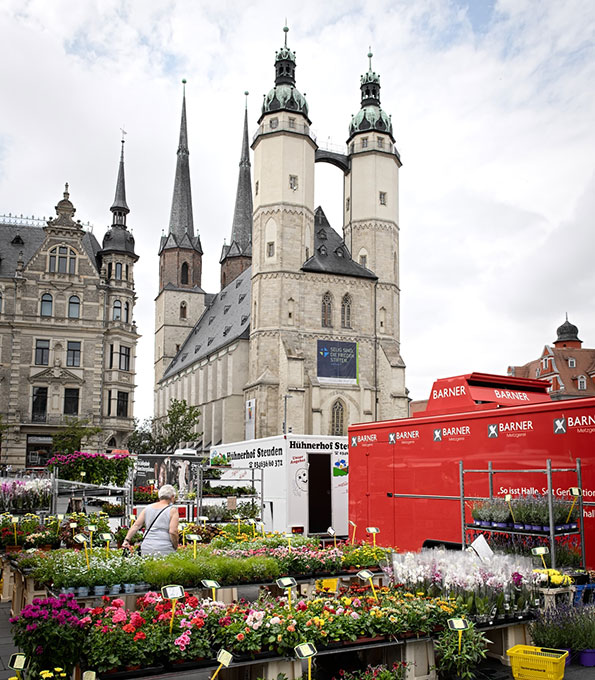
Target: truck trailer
{"points": [[304, 479], [471, 421]]}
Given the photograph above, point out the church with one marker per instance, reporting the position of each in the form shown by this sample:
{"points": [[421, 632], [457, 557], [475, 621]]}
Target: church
{"points": [[304, 334]]}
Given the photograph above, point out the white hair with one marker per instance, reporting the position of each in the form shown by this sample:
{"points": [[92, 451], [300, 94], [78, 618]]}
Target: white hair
{"points": [[167, 491]]}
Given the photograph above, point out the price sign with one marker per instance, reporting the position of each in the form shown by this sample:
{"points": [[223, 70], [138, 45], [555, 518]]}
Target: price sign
{"points": [[106, 537], [193, 537], [80, 538], [224, 657], [89, 675], [330, 531], [508, 498], [92, 527], [15, 520], [17, 662], [286, 582], [365, 574], [373, 530], [172, 592], [540, 550], [575, 491], [60, 517], [458, 624], [207, 583], [73, 525], [305, 650]]}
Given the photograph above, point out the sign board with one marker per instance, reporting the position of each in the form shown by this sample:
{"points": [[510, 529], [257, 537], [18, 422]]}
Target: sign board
{"points": [[305, 650], [250, 419], [482, 549], [224, 657], [458, 624], [157, 470], [286, 582], [172, 592], [337, 362]]}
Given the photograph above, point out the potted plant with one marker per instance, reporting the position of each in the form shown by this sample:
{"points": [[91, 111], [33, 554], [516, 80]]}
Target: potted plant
{"points": [[50, 629], [584, 632], [455, 664]]}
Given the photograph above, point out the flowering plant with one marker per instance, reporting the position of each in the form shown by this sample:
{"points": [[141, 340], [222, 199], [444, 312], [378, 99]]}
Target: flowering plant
{"points": [[398, 671], [99, 468], [50, 629], [18, 496], [460, 664]]}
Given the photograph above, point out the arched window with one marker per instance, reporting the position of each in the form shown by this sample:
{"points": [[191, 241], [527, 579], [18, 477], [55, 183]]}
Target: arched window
{"points": [[0, 302], [184, 273], [127, 272], [117, 311], [74, 307], [109, 270], [327, 310], [118, 271], [582, 382], [346, 311], [183, 310], [62, 260], [338, 419], [126, 313], [46, 305]]}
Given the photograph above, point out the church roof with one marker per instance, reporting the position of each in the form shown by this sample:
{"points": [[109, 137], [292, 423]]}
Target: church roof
{"points": [[225, 320], [181, 220], [370, 116], [331, 255], [241, 230]]}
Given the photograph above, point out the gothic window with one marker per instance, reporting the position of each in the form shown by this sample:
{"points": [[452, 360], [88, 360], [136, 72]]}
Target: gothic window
{"points": [[327, 310], [183, 310], [338, 419], [582, 382], [382, 197], [47, 304], [346, 311], [271, 249], [290, 311], [118, 271], [62, 260], [184, 273], [347, 204], [117, 311], [293, 182], [74, 307], [42, 352], [382, 318], [0, 302], [363, 259], [126, 312], [256, 188]]}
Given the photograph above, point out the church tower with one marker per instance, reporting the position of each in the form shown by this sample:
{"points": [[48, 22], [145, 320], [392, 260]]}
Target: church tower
{"points": [[283, 235], [180, 300], [237, 256], [371, 208]]}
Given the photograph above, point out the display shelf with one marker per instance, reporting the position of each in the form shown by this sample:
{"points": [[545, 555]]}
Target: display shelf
{"points": [[518, 532]]}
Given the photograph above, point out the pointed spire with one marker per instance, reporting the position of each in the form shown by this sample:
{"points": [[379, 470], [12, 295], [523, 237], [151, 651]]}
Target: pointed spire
{"points": [[241, 231], [120, 207], [181, 221]]}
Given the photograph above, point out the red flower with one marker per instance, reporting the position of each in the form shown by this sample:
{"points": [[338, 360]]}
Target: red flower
{"points": [[191, 601], [198, 622], [240, 636], [140, 635], [128, 628]]}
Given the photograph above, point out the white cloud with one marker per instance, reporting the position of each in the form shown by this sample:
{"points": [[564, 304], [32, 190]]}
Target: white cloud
{"points": [[492, 115]]}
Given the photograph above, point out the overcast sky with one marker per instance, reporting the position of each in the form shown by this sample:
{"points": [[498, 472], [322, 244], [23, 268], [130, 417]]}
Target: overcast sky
{"points": [[493, 109]]}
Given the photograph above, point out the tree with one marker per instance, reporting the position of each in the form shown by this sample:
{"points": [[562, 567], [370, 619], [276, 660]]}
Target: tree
{"points": [[164, 435], [73, 435]]}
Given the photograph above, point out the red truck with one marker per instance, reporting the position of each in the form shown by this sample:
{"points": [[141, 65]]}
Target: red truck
{"points": [[471, 421]]}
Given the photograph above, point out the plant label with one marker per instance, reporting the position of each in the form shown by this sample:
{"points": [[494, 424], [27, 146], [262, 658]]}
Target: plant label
{"points": [[172, 592], [305, 650], [286, 582], [224, 657]]}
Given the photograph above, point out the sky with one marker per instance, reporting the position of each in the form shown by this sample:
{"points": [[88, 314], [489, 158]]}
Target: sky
{"points": [[493, 110]]}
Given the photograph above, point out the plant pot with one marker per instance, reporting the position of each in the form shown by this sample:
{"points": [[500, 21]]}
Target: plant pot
{"points": [[587, 657], [82, 591], [141, 586], [545, 528], [115, 588], [535, 527], [99, 590], [569, 657], [499, 525], [573, 526], [129, 587], [518, 527]]}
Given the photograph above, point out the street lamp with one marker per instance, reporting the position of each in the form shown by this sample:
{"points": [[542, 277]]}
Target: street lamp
{"points": [[285, 398]]}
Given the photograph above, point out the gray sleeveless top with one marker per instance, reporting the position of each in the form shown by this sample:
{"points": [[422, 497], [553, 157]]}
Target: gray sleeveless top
{"points": [[157, 540]]}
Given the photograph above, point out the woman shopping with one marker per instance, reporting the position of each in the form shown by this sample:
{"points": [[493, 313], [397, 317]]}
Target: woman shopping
{"points": [[161, 520]]}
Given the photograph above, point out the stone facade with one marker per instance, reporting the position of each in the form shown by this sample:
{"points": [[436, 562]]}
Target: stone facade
{"points": [[67, 335], [307, 285]]}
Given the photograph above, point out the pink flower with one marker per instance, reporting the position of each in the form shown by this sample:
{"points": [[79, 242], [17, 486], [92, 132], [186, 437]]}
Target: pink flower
{"points": [[118, 602], [86, 619], [119, 616]]}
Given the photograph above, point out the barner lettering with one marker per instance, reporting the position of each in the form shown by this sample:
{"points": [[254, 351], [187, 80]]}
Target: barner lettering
{"points": [[450, 431], [515, 427], [507, 394], [580, 421], [449, 392]]}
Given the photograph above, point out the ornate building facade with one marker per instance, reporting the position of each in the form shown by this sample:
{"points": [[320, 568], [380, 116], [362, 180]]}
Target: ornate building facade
{"points": [[304, 334], [566, 365], [67, 332]]}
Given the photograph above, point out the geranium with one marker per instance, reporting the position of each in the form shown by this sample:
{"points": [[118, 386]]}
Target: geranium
{"points": [[50, 629]]}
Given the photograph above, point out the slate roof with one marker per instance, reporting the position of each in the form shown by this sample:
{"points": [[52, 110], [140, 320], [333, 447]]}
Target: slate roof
{"points": [[331, 255], [225, 320], [32, 238]]}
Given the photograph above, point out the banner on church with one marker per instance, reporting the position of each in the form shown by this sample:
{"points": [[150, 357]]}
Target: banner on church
{"points": [[337, 362]]}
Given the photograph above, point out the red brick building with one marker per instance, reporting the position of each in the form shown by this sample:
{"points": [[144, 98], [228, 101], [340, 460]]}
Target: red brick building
{"points": [[567, 366]]}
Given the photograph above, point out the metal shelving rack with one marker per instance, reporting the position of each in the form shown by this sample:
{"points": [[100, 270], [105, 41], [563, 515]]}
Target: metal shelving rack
{"points": [[553, 534]]}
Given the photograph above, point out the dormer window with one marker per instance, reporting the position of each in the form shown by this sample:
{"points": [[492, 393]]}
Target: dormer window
{"points": [[571, 362], [62, 260], [17, 241], [581, 382]]}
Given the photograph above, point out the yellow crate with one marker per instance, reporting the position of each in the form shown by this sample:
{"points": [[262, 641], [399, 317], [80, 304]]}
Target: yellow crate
{"points": [[529, 663]]}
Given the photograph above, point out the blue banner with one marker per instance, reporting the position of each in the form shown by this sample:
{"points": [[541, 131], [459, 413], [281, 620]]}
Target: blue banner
{"points": [[337, 362]]}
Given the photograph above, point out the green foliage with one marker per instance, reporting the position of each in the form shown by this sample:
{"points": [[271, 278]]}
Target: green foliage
{"points": [[164, 435], [452, 663], [74, 435]]}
